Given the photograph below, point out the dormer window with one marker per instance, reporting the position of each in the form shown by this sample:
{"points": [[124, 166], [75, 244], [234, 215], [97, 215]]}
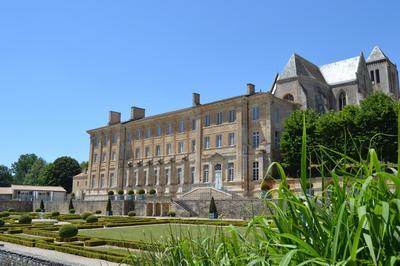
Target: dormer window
{"points": [[288, 97]]}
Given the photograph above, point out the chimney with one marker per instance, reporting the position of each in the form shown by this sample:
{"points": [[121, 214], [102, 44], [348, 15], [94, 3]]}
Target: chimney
{"points": [[137, 113], [114, 118], [195, 99], [251, 89]]}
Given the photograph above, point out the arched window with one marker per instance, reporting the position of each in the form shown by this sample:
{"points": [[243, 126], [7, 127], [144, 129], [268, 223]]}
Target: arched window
{"points": [[289, 97], [342, 100]]}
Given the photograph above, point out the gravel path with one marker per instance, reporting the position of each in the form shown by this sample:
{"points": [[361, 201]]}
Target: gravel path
{"points": [[55, 256]]}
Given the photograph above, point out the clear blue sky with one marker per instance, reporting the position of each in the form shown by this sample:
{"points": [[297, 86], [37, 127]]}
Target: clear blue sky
{"points": [[65, 64]]}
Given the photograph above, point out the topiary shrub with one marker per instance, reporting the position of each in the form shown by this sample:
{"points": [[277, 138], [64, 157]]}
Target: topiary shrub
{"points": [[71, 211], [120, 192], [38, 210], [152, 191], [68, 230], [10, 210], [55, 214], [42, 205], [131, 213], [171, 214], [98, 212], [141, 191], [110, 193], [2, 222], [109, 208], [92, 219], [25, 219], [4, 214], [213, 213], [85, 215], [131, 192]]}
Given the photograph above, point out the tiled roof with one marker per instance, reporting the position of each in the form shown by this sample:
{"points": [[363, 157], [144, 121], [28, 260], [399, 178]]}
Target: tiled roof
{"points": [[341, 71], [376, 55], [38, 188]]}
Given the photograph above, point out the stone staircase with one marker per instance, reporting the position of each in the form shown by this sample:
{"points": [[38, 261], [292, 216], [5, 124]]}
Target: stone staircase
{"points": [[181, 204]]}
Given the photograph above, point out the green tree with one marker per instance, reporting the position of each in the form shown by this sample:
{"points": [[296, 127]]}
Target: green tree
{"points": [[33, 175], [22, 167], [65, 168], [84, 165], [5, 176], [47, 176]]}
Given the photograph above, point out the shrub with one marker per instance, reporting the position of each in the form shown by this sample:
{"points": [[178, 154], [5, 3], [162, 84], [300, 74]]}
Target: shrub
{"points": [[85, 215], [38, 210], [110, 193], [131, 192], [109, 207], [55, 214], [141, 191], [171, 214], [95, 242], [213, 207], [71, 211], [4, 214], [92, 219], [131, 213], [120, 192], [152, 191], [25, 219], [98, 212], [2, 222], [68, 230], [11, 210], [42, 205]]}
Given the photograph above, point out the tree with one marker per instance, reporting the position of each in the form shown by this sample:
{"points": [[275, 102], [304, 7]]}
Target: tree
{"points": [[5, 176], [109, 207], [22, 167], [213, 209], [42, 205], [71, 205], [34, 173], [47, 176], [65, 168], [84, 166]]}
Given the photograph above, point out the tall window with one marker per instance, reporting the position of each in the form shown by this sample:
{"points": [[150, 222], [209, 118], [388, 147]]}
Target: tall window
{"points": [[95, 158], [180, 147], [207, 142], [181, 126], [179, 175], [193, 145], [93, 181], [168, 148], [378, 77], [138, 134], [342, 100], [96, 141], [156, 175], [192, 174], [372, 76], [167, 176], [147, 151], [102, 180], [232, 116], [158, 150], [206, 171], [193, 124], [104, 157], [231, 171], [148, 132], [105, 140], [158, 131], [231, 139], [207, 120], [114, 138], [289, 97], [129, 137], [218, 141], [218, 119], [169, 129], [137, 153], [255, 171], [111, 181], [256, 139], [255, 113], [113, 156]]}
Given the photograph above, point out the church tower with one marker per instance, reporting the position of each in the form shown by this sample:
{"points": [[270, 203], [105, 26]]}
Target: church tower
{"points": [[383, 73]]}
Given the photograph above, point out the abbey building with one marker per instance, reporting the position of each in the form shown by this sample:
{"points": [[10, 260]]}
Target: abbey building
{"points": [[227, 144]]}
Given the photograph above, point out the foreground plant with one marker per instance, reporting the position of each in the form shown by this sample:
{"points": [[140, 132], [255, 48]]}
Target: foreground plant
{"points": [[356, 221]]}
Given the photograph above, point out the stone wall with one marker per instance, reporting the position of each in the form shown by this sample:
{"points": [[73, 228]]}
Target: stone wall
{"points": [[14, 259], [19, 206]]}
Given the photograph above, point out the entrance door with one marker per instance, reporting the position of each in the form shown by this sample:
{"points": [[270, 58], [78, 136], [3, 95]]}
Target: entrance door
{"points": [[218, 176]]}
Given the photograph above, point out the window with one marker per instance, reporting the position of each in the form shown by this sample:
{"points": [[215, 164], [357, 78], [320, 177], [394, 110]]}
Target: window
{"points": [[255, 171], [136, 178], [157, 176], [113, 156], [147, 151], [231, 139], [218, 119], [179, 175], [105, 140], [342, 100], [104, 157], [167, 176], [231, 171], [193, 124], [168, 149], [114, 138], [111, 180], [378, 78], [158, 150], [232, 116], [207, 120], [181, 126], [146, 178], [169, 129], [180, 147], [158, 131], [138, 134], [102, 181], [206, 170], [289, 97], [93, 181], [255, 113], [95, 158], [256, 139], [218, 141], [192, 174], [148, 132], [129, 137], [193, 145], [207, 142], [372, 76], [96, 141], [137, 153]]}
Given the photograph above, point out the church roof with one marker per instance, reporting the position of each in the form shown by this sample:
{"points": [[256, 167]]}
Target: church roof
{"points": [[376, 55], [341, 71], [298, 66]]}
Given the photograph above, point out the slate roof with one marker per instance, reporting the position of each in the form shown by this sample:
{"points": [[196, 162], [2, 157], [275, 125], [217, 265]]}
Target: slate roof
{"points": [[341, 71], [298, 66], [376, 55]]}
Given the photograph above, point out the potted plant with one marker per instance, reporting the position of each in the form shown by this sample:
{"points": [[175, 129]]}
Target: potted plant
{"points": [[213, 213], [120, 194], [109, 208], [152, 192], [131, 194], [141, 193], [265, 188]]}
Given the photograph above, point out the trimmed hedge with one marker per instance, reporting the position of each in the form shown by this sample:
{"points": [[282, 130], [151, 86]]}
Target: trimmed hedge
{"points": [[2, 222], [68, 230], [92, 219], [4, 214], [25, 219], [55, 214], [131, 213], [10, 210], [72, 211], [98, 212], [95, 242], [85, 215]]}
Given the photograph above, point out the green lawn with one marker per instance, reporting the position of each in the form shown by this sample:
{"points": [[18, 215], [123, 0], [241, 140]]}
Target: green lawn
{"points": [[154, 232]]}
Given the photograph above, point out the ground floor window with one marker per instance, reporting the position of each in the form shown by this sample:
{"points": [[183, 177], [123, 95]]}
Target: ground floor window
{"points": [[231, 171], [255, 171]]}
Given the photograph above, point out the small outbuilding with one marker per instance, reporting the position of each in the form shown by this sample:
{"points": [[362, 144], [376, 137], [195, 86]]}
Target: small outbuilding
{"points": [[26, 192]]}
